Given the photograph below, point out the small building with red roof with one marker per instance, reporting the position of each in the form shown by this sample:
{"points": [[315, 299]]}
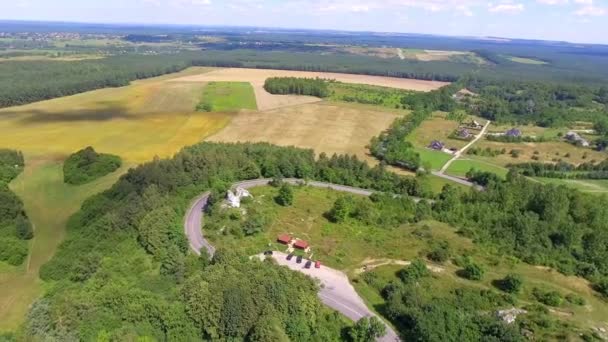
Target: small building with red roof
{"points": [[284, 239], [301, 244]]}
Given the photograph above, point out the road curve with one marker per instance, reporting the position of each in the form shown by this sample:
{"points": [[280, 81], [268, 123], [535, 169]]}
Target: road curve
{"points": [[342, 298]]}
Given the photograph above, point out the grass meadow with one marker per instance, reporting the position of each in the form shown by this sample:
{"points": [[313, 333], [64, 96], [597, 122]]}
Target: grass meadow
{"points": [[599, 186], [229, 96], [460, 167]]}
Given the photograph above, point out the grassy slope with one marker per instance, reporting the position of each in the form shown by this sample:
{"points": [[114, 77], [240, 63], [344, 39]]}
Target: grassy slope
{"points": [[436, 158], [229, 96], [351, 245], [49, 202]]}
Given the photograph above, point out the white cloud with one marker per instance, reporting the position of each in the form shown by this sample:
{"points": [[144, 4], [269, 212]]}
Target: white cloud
{"points": [[591, 11], [553, 2], [506, 8]]}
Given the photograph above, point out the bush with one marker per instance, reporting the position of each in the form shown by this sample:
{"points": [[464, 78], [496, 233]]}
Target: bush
{"points": [[601, 286], [87, 165], [414, 272], [551, 298], [440, 254], [285, 196], [12, 251], [575, 299], [512, 283], [472, 271], [23, 228]]}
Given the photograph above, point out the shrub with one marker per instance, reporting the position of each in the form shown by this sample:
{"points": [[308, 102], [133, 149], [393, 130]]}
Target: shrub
{"points": [[601, 286], [472, 271], [551, 298], [415, 271], [440, 253], [285, 196], [512, 283], [575, 299]]}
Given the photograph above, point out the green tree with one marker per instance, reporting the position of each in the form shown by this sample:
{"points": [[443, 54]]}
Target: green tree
{"points": [[341, 210], [268, 328], [367, 329], [415, 271], [24, 228], [285, 196]]}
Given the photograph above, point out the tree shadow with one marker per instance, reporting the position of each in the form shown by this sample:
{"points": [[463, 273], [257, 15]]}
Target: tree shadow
{"points": [[92, 115]]}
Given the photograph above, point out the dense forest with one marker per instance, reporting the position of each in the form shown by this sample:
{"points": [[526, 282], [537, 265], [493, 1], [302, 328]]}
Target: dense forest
{"points": [[126, 255], [563, 170], [87, 165], [297, 86], [15, 227]]}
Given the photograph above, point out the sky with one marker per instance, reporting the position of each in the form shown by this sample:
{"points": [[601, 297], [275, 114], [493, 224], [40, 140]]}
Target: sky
{"points": [[583, 21]]}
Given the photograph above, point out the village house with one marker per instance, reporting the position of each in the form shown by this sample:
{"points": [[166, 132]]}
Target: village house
{"points": [[575, 138], [436, 145], [464, 133], [514, 133]]}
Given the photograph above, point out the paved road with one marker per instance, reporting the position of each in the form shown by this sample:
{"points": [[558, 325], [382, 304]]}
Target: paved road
{"points": [[336, 292]]}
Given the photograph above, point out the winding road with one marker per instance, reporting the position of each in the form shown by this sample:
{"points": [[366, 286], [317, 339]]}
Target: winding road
{"points": [[336, 291]]}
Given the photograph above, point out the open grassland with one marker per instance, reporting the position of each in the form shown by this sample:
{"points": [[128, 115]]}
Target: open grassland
{"points": [[342, 246], [526, 60], [324, 127], [442, 55], [49, 202], [437, 128], [547, 152], [149, 118], [435, 158], [460, 168], [229, 96], [585, 185]]}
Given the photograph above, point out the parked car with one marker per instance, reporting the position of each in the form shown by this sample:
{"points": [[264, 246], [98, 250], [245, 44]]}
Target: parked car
{"points": [[290, 256], [317, 264], [308, 264], [299, 259], [268, 253]]}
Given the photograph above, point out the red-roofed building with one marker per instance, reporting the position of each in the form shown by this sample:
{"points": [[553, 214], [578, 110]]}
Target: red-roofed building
{"points": [[300, 244], [284, 239]]}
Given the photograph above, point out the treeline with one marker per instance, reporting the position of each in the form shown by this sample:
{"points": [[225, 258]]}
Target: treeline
{"points": [[541, 103], [127, 257], [563, 170], [392, 146], [297, 86], [15, 227], [87, 165]]}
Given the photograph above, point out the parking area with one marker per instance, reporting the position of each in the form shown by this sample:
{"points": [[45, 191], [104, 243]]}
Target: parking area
{"points": [[336, 291]]}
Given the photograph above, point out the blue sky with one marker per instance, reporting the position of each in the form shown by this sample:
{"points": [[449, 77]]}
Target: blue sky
{"points": [[570, 20]]}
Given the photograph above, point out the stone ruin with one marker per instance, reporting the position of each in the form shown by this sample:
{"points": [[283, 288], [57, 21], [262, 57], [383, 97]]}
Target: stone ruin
{"points": [[233, 199]]}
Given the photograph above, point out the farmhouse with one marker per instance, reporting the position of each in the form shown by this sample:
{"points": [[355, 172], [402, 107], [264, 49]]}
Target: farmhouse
{"points": [[464, 133], [513, 132], [575, 138], [437, 145], [284, 239]]}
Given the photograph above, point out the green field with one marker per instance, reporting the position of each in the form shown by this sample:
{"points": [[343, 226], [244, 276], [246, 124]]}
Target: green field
{"points": [[367, 94], [342, 246], [436, 158], [49, 203], [462, 166], [229, 96], [524, 60], [597, 186]]}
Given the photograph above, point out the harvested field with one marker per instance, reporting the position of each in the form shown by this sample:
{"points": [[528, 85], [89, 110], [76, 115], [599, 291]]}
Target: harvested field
{"points": [[324, 127], [266, 101]]}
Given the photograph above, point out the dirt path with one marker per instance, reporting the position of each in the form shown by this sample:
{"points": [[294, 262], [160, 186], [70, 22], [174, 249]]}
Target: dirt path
{"points": [[464, 149]]}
